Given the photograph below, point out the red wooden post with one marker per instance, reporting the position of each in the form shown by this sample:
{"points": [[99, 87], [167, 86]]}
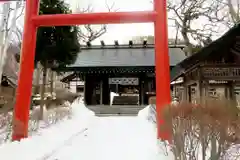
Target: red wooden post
{"points": [[33, 20], [163, 97], [24, 89]]}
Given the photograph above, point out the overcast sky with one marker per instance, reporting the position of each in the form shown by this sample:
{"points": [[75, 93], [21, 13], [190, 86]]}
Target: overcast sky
{"points": [[121, 32], [124, 32]]}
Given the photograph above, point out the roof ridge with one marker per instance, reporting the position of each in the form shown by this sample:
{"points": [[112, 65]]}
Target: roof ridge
{"points": [[122, 46]]}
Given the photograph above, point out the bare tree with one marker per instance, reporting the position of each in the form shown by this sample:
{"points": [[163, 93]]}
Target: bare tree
{"points": [[88, 33], [186, 14], [189, 16], [18, 35], [196, 21], [140, 39], [8, 27], [233, 7]]}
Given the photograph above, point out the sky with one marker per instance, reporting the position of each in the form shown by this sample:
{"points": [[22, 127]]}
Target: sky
{"points": [[124, 32], [121, 32]]}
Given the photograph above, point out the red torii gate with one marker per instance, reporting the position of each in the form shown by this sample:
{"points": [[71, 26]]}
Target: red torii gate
{"points": [[33, 21]]}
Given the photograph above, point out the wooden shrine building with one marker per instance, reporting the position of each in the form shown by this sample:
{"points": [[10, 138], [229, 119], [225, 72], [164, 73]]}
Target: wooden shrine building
{"points": [[214, 71], [123, 69]]}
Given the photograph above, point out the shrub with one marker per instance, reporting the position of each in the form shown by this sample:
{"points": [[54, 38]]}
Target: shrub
{"points": [[201, 132], [53, 116]]}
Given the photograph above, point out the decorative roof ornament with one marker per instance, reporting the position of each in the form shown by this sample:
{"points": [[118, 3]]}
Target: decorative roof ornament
{"points": [[89, 44], [145, 43], [130, 43], [116, 44], [102, 43]]}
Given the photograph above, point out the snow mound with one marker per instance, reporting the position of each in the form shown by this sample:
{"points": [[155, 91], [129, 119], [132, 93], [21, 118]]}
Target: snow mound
{"points": [[47, 140], [80, 110], [148, 113], [112, 95]]}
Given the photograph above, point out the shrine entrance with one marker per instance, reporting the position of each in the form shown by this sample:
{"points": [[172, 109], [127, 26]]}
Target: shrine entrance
{"points": [[128, 90], [33, 20]]}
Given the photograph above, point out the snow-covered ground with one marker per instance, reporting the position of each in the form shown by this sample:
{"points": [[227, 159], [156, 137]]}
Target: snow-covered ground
{"points": [[88, 137]]}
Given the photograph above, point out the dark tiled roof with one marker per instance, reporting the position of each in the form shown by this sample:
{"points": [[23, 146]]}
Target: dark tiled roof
{"points": [[124, 56], [230, 41]]}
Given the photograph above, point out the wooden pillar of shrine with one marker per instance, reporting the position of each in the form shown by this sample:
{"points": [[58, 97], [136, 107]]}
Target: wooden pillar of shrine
{"points": [[88, 92], [105, 91], [189, 93], [199, 92], [101, 91], [141, 90], [185, 92], [232, 95]]}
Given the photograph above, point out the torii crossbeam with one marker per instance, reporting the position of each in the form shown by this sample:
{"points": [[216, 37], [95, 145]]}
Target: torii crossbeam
{"points": [[33, 21]]}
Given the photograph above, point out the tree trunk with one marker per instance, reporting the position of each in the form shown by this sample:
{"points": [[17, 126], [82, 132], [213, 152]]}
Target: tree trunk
{"points": [[234, 13], [3, 37], [37, 85], [42, 103], [52, 81], [7, 27], [187, 42], [184, 32]]}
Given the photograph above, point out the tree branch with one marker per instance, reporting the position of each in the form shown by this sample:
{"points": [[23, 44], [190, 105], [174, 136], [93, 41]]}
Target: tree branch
{"points": [[88, 33], [188, 13]]}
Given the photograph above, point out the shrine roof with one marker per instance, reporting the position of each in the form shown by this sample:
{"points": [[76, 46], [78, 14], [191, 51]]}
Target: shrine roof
{"points": [[228, 43], [123, 56]]}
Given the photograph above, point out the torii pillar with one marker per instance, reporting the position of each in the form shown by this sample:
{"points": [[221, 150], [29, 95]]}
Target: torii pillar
{"points": [[33, 20]]}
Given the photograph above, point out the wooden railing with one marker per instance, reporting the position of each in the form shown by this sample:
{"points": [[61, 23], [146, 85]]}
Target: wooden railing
{"points": [[223, 72]]}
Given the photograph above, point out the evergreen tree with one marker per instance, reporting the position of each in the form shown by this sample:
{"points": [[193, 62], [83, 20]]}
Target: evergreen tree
{"points": [[56, 46]]}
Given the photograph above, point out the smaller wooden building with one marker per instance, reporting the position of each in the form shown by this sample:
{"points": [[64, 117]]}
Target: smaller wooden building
{"points": [[214, 71], [124, 69]]}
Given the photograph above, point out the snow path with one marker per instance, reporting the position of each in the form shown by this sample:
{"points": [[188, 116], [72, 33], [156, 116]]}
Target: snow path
{"points": [[118, 138], [87, 137]]}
